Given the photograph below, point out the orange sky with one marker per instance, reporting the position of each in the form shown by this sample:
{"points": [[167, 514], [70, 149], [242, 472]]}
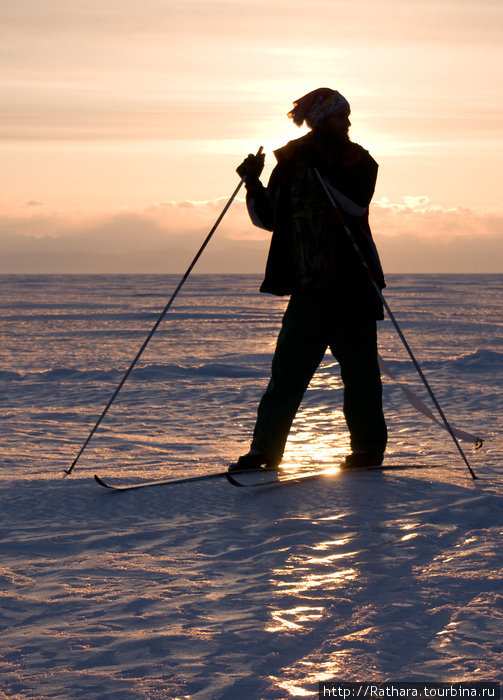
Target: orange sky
{"points": [[123, 121]]}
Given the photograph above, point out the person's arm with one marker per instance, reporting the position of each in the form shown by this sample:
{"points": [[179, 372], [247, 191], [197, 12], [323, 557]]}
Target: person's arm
{"points": [[259, 201]]}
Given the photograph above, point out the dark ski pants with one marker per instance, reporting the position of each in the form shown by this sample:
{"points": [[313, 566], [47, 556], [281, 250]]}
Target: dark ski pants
{"points": [[310, 326]]}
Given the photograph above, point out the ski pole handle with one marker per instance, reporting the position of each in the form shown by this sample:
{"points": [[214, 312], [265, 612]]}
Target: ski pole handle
{"points": [[251, 167]]}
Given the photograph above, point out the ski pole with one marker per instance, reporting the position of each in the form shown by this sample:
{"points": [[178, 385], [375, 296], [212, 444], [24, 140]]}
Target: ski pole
{"points": [[362, 259], [157, 323]]}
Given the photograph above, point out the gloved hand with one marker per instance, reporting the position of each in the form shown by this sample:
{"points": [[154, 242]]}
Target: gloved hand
{"points": [[251, 167]]}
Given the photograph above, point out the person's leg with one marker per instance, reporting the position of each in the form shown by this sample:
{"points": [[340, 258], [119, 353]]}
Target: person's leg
{"points": [[354, 345], [299, 351]]}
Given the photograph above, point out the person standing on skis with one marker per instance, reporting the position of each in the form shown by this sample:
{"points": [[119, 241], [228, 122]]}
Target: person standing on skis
{"points": [[332, 301]]}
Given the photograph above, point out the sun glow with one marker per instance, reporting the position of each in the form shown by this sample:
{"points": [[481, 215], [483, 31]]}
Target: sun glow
{"points": [[275, 138]]}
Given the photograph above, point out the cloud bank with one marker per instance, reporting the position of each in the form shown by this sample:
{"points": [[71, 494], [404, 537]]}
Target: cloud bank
{"points": [[413, 236]]}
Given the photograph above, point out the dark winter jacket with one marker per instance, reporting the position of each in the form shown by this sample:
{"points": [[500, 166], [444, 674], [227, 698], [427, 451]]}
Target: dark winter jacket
{"points": [[310, 249]]}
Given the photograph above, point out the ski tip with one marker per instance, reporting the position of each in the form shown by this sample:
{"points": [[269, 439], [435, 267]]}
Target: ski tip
{"points": [[231, 480], [101, 482]]}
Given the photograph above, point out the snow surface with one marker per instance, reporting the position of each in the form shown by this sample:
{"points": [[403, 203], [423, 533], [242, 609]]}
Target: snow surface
{"points": [[207, 591]]}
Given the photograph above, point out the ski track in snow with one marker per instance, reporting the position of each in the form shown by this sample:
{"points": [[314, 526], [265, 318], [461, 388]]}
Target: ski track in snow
{"points": [[207, 591]]}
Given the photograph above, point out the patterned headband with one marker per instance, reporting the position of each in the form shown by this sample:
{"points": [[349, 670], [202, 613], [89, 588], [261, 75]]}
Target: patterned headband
{"points": [[316, 106]]}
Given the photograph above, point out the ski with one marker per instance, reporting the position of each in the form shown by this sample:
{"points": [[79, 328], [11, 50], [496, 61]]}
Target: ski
{"points": [[166, 482], [282, 479], [272, 477]]}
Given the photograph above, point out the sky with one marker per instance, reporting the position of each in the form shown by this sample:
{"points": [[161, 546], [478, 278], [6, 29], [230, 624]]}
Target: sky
{"points": [[123, 122]]}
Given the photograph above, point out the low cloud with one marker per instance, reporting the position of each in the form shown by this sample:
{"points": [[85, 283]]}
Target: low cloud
{"points": [[161, 238], [415, 235], [412, 235], [417, 215]]}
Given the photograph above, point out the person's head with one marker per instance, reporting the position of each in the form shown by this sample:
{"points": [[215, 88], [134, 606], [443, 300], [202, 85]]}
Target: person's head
{"points": [[335, 125], [323, 110]]}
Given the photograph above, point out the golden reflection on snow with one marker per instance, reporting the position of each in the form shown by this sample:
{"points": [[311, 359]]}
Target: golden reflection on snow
{"points": [[325, 545], [324, 571], [291, 688], [311, 581], [318, 438], [332, 517], [313, 672], [409, 537], [298, 578], [318, 441], [330, 558], [292, 619], [407, 526], [306, 575]]}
